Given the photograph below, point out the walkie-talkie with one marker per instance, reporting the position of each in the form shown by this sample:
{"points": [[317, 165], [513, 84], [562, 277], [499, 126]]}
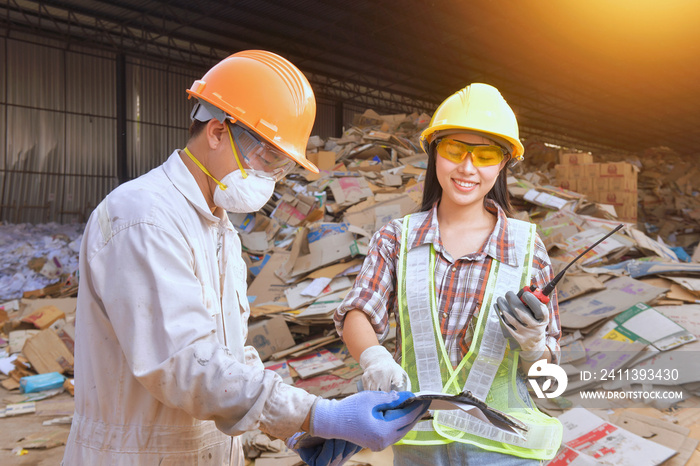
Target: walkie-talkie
{"points": [[543, 294]]}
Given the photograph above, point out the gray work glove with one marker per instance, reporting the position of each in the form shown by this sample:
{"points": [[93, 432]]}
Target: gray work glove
{"points": [[525, 323]]}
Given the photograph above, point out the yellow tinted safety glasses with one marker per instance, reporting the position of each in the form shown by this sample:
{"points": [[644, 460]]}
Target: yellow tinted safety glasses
{"points": [[456, 152]]}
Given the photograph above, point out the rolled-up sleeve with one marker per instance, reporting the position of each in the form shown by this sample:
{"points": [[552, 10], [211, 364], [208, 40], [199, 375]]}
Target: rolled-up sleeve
{"points": [[543, 274], [374, 290]]}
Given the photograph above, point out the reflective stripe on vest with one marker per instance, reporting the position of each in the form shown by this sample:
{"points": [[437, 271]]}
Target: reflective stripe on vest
{"points": [[544, 433]]}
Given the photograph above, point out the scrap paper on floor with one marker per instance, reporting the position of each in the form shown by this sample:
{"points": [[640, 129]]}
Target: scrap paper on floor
{"points": [[609, 444]]}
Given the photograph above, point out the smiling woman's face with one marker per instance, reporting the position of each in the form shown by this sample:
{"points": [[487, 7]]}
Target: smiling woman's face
{"points": [[464, 184]]}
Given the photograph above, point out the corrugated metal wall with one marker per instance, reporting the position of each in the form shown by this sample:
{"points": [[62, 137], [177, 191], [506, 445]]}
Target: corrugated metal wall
{"points": [[324, 125], [3, 117], [326, 114], [158, 113], [35, 128], [58, 156]]}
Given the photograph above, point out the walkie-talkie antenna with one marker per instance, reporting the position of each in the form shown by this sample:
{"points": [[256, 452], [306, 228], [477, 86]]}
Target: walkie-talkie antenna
{"points": [[549, 287]]}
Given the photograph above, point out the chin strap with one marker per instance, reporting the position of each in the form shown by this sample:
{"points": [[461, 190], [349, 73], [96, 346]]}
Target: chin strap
{"points": [[235, 153], [206, 172]]}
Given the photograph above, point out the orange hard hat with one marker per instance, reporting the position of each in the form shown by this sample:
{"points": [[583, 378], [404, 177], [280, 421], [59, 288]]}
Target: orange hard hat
{"points": [[265, 93]]}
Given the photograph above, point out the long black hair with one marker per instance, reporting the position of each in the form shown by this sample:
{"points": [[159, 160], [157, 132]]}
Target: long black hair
{"points": [[432, 191]]}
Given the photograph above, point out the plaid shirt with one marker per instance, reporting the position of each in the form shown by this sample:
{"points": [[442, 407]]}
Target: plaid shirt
{"points": [[460, 284]]}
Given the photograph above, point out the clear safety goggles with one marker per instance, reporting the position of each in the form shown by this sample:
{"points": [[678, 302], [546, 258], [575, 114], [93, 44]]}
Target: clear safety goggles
{"points": [[253, 154], [456, 152]]}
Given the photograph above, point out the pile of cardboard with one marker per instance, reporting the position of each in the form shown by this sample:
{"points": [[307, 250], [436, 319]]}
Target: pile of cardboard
{"points": [[667, 186], [668, 193], [612, 183], [630, 303], [306, 246], [628, 279], [628, 308], [629, 437], [36, 337]]}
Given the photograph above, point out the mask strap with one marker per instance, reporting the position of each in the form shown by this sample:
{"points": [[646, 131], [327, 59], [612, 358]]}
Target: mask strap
{"points": [[235, 153], [206, 172]]}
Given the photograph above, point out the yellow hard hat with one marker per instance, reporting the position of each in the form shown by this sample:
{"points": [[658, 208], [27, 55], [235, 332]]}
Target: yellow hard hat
{"points": [[268, 95], [476, 108]]}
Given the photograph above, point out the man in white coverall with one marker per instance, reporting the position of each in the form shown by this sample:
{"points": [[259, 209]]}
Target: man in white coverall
{"points": [[162, 375]]}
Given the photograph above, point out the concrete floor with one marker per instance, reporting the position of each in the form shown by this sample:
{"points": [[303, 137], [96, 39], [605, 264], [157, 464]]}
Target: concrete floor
{"points": [[14, 429]]}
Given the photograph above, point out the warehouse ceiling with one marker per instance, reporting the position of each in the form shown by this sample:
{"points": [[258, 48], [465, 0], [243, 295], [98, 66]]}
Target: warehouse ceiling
{"points": [[601, 75]]}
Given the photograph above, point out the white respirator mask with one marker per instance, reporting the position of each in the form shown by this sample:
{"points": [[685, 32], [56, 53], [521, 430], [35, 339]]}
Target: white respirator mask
{"points": [[244, 195], [248, 190]]}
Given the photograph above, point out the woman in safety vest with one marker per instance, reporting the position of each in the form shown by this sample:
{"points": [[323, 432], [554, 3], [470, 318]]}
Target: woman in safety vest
{"points": [[441, 272]]}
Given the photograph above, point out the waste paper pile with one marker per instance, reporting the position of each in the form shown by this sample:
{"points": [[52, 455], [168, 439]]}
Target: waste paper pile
{"points": [[630, 308]]}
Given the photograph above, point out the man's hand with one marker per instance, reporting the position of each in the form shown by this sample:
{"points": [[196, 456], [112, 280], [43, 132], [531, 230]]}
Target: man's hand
{"points": [[330, 452], [526, 324], [368, 418], [381, 372]]}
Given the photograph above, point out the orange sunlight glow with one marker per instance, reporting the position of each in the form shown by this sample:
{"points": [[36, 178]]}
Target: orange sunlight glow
{"points": [[639, 31]]}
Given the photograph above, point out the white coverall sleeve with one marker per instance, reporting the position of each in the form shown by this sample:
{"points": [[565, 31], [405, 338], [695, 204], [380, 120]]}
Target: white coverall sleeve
{"points": [[252, 358], [145, 278]]}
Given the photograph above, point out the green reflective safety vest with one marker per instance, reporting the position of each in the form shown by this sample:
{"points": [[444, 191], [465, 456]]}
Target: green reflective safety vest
{"points": [[489, 369]]}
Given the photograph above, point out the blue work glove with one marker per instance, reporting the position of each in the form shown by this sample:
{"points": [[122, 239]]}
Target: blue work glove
{"points": [[330, 452], [368, 418]]}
